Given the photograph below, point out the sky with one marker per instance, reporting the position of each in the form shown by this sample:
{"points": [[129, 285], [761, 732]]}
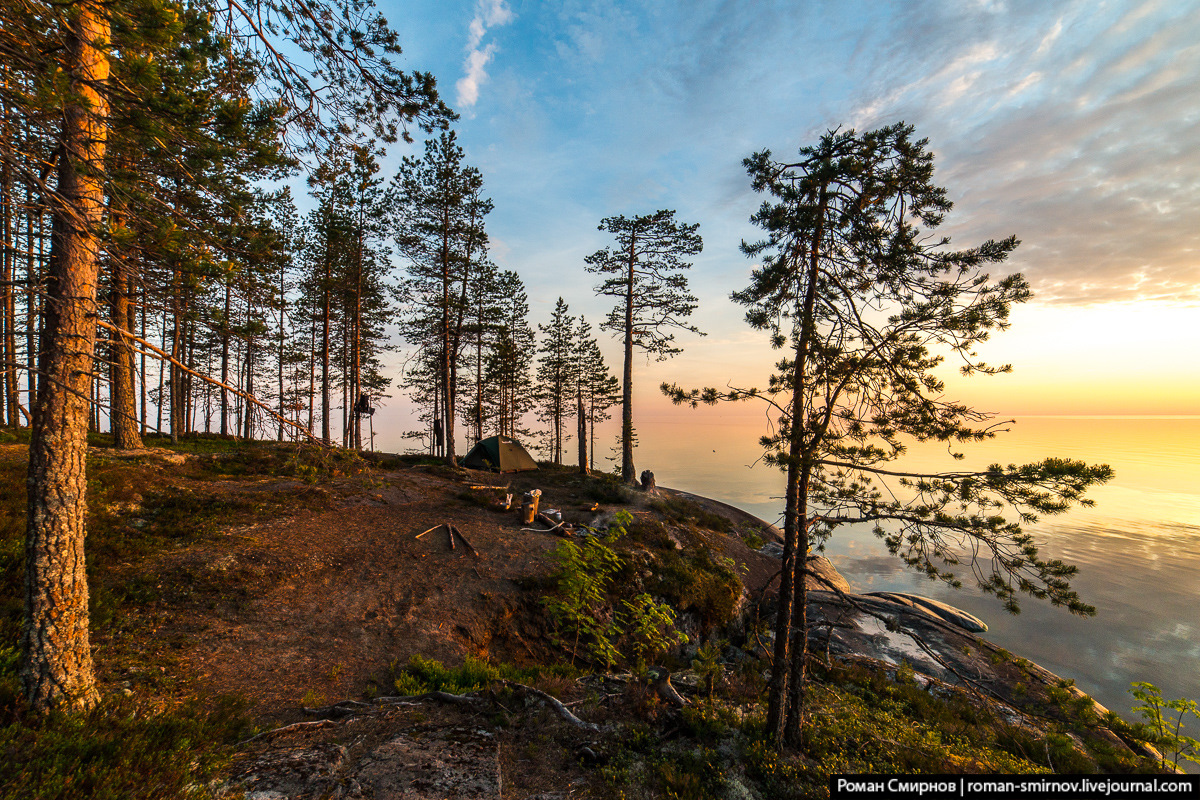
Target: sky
{"points": [[1073, 125]]}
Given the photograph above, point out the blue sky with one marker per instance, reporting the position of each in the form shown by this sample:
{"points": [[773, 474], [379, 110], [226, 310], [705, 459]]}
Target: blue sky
{"points": [[1074, 125]]}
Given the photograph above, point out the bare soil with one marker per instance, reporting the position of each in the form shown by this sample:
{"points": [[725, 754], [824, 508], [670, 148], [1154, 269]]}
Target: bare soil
{"points": [[314, 607]]}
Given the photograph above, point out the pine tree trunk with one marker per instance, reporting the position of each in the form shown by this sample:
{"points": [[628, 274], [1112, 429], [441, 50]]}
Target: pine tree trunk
{"points": [[447, 377], [325, 427], [56, 666], [94, 409], [581, 433], [312, 372], [777, 694], [8, 309], [142, 381], [279, 355], [787, 713], [248, 418], [124, 405], [357, 391], [793, 731], [186, 397], [34, 282], [628, 471], [225, 360], [592, 432], [173, 377], [158, 407]]}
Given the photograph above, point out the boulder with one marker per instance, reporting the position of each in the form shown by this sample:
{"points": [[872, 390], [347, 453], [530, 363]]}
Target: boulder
{"points": [[943, 611]]}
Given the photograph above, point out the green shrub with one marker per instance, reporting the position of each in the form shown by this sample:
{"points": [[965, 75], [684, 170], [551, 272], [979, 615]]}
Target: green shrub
{"points": [[606, 488], [422, 675], [695, 580], [1165, 730], [118, 751], [580, 607], [611, 629]]}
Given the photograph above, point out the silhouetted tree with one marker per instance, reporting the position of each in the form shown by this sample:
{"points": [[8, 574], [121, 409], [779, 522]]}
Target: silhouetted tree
{"points": [[645, 273], [439, 229], [598, 389], [556, 376], [867, 302], [509, 395]]}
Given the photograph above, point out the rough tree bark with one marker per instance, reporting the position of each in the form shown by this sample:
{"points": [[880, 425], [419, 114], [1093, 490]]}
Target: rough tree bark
{"points": [[124, 418], [56, 667]]}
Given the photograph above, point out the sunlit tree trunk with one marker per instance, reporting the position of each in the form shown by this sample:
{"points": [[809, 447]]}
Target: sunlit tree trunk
{"points": [[33, 273], [226, 311], [8, 308], [123, 411], [56, 667], [124, 419]]}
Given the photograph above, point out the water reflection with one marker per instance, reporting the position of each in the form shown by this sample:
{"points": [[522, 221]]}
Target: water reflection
{"points": [[1138, 549]]}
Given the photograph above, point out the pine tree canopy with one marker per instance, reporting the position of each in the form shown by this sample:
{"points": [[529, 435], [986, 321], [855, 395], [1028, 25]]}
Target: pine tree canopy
{"points": [[867, 302]]}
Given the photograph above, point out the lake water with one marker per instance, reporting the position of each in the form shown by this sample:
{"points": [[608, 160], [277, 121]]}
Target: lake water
{"points": [[1138, 549]]}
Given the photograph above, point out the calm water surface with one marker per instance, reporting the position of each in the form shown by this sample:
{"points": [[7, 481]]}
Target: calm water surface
{"points": [[1138, 549]]}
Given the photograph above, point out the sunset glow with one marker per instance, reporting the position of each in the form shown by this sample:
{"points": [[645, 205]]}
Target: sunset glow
{"points": [[1070, 125]]}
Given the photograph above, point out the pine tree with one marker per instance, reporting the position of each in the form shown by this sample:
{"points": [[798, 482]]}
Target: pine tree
{"points": [[365, 291], [598, 389], [510, 394], [866, 302], [645, 268], [556, 375], [439, 229]]}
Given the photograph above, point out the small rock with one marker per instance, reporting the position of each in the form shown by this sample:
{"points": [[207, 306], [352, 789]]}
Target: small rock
{"points": [[772, 549], [588, 756], [736, 790]]}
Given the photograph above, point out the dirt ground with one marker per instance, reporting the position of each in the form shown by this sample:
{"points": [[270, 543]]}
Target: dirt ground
{"points": [[312, 608], [354, 575]]}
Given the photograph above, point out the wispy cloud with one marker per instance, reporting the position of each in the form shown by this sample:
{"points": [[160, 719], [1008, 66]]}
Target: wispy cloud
{"points": [[1070, 133], [488, 14]]}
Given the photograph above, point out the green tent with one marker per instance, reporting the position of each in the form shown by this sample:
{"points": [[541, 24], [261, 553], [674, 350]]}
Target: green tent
{"points": [[499, 453]]}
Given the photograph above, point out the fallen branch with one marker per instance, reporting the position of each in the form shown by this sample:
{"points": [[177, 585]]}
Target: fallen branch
{"points": [[450, 533], [445, 697], [338, 710], [434, 528], [456, 532], [543, 518], [321, 723], [501, 488], [555, 704], [162, 355]]}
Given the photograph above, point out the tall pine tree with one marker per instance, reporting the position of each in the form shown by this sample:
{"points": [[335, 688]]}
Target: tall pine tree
{"points": [[439, 229], [556, 377], [867, 301], [644, 270]]}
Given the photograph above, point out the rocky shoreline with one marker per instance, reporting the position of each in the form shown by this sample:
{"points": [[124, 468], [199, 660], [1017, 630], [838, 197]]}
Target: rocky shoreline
{"points": [[937, 646]]}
